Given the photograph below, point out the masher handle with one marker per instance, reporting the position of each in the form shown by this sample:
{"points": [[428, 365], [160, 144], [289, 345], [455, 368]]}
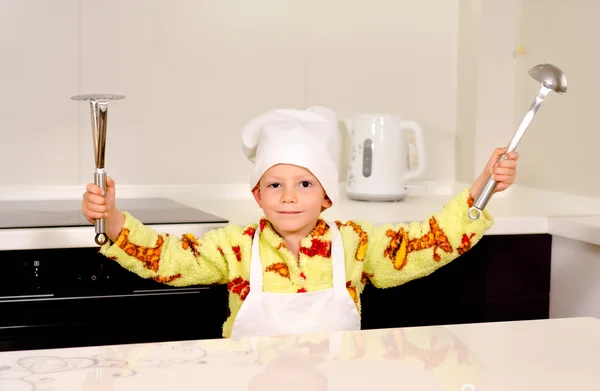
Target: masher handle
{"points": [[100, 224]]}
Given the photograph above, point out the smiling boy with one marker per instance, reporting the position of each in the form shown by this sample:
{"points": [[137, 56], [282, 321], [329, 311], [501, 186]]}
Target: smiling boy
{"points": [[291, 199], [293, 272]]}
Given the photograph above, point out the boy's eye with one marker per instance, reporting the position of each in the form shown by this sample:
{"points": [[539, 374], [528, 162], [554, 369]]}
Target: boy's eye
{"points": [[305, 183], [274, 185]]}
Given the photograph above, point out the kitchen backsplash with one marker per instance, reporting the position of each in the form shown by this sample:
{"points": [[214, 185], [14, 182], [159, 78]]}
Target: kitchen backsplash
{"points": [[194, 72]]}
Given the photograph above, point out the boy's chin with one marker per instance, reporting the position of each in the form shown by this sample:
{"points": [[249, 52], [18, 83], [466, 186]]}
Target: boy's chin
{"points": [[287, 225], [290, 225]]}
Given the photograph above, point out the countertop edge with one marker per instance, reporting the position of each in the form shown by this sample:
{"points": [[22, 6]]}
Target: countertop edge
{"points": [[573, 228], [78, 237], [516, 211]]}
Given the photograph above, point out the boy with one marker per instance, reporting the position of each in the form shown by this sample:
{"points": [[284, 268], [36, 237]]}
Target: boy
{"points": [[314, 271]]}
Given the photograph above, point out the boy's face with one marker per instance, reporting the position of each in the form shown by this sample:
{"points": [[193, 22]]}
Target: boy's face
{"points": [[292, 198]]}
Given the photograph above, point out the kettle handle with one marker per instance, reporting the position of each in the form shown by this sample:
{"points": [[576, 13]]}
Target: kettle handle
{"points": [[420, 144], [350, 123]]}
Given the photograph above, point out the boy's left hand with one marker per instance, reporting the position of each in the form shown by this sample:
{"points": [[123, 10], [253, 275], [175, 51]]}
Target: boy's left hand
{"points": [[504, 172]]}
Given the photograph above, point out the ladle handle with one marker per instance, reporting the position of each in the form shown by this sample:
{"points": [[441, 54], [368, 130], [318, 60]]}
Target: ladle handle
{"points": [[482, 199], [100, 224]]}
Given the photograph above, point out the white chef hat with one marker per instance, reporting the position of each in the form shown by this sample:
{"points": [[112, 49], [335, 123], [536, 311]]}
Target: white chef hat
{"points": [[306, 138]]}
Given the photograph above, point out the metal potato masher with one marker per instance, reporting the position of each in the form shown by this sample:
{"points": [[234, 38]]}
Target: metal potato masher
{"points": [[99, 111], [552, 79]]}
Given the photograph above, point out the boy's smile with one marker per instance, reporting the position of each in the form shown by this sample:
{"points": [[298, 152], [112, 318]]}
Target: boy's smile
{"points": [[292, 199]]}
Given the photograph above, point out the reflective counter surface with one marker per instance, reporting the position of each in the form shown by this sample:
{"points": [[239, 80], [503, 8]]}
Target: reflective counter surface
{"points": [[557, 354]]}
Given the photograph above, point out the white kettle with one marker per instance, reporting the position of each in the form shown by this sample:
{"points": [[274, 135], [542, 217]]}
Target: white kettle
{"points": [[378, 168]]}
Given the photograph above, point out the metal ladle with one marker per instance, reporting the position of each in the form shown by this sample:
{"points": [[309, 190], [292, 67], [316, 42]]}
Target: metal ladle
{"points": [[99, 111], [552, 79]]}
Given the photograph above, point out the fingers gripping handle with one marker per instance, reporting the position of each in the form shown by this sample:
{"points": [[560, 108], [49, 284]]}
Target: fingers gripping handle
{"points": [[475, 211], [100, 181], [483, 198]]}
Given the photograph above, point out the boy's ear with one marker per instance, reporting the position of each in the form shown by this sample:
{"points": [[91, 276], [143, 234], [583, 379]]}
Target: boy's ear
{"points": [[256, 194], [326, 203]]}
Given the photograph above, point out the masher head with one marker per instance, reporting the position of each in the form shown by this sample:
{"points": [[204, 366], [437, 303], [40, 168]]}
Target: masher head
{"points": [[98, 108], [98, 97], [550, 76]]}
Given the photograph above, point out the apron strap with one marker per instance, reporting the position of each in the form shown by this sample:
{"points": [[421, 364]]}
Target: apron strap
{"points": [[338, 263], [256, 269]]}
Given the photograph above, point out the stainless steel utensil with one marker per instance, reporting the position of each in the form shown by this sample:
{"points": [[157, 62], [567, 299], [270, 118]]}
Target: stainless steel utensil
{"points": [[99, 111], [552, 79]]}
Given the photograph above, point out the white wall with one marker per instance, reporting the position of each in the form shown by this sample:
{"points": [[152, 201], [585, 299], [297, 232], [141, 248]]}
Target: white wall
{"points": [[39, 71], [575, 281], [488, 32], [467, 81], [496, 78], [195, 71], [560, 151]]}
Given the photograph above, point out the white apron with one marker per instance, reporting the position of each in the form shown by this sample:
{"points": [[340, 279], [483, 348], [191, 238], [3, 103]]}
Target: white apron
{"points": [[271, 314]]}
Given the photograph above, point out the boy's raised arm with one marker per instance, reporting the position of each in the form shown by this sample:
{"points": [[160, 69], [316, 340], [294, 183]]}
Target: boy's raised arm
{"points": [[175, 261], [396, 254]]}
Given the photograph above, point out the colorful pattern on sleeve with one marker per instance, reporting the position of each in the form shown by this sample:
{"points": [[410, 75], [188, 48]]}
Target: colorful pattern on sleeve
{"points": [[387, 255], [176, 261], [400, 253]]}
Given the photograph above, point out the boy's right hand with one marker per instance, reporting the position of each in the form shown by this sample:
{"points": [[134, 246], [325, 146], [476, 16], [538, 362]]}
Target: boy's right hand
{"points": [[95, 206]]}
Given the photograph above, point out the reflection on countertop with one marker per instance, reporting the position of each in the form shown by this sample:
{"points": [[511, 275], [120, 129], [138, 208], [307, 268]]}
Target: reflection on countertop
{"points": [[550, 355]]}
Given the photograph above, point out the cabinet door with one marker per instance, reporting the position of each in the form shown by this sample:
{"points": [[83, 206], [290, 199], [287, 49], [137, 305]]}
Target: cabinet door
{"points": [[407, 306], [452, 294], [502, 278], [504, 309], [518, 265]]}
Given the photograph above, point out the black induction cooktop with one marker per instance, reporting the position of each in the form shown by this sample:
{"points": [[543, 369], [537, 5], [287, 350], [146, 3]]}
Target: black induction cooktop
{"points": [[67, 213]]}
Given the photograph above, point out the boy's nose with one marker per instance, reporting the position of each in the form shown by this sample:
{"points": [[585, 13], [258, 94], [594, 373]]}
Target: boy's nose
{"points": [[288, 197]]}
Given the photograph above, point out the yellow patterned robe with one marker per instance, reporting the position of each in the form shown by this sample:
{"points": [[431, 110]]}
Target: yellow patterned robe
{"points": [[386, 255]]}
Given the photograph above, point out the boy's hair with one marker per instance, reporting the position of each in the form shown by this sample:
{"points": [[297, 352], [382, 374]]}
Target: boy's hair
{"points": [[306, 138]]}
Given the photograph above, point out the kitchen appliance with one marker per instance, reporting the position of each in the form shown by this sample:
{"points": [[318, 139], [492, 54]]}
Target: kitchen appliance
{"points": [[552, 79], [378, 169], [58, 291], [99, 112]]}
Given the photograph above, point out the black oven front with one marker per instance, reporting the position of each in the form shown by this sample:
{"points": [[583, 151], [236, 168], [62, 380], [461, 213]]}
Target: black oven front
{"points": [[76, 297]]}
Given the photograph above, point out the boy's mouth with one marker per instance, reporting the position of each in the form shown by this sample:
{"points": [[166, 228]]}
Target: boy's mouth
{"points": [[284, 212]]}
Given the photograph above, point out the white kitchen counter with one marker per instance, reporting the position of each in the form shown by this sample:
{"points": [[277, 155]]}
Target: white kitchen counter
{"points": [[557, 354], [581, 228], [519, 210]]}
